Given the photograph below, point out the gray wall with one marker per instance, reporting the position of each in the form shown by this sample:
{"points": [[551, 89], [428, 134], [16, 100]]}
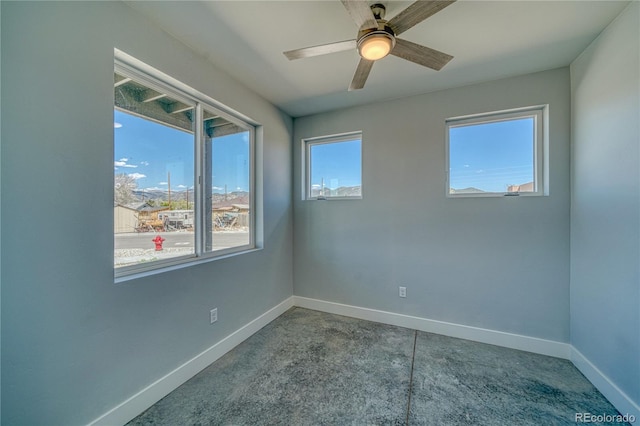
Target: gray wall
{"points": [[605, 211], [74, 344], [497, 263]]}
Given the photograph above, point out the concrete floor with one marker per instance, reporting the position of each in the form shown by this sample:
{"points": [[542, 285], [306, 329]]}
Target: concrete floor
{"points": [[313, 368]]}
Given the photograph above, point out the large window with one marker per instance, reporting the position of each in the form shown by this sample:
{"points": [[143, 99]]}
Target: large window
{"points": [[183, 173], [333, 167], [496, 154]]}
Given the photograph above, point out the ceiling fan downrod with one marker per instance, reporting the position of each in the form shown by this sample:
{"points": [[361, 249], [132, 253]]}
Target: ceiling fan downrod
{"points": [[379, 10], [376, 43]]}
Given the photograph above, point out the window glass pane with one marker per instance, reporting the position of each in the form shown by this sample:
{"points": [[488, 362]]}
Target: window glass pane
{"points": [[335, 169], [492, 157], [183, 173], [153, 176], [227, 167]]}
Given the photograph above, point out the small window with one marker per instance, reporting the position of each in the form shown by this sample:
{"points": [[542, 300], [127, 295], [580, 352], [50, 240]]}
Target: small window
{"points": [[496, 154], [333, 167]]}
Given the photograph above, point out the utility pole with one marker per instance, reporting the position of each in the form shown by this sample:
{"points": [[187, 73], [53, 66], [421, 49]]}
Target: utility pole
{"points": [[169, 184]]}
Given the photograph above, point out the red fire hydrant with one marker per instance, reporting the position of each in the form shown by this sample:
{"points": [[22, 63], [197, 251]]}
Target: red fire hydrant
{"points": [[158, 241]]}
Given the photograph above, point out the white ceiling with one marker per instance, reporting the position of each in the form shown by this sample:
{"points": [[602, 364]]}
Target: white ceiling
{"points": [[488, 39]]}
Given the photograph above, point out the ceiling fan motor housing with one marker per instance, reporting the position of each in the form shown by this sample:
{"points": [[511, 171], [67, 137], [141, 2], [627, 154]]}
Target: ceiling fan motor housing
{"points": [[383, 32]]}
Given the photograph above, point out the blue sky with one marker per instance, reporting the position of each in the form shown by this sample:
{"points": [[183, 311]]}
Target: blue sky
{"points": [[486, 156], [149, 151], [338, 163], [491, 156]]}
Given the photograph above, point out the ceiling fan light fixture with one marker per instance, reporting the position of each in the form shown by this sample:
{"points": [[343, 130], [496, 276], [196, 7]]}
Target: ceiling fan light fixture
{"points": [[377, 37], [375, 45]]}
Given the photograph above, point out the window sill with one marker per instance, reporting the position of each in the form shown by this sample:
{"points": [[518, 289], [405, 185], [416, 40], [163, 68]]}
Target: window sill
{"points": [[497, 195], [333, 198], [180, 264]]}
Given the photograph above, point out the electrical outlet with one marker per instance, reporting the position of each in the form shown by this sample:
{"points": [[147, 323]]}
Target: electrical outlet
{"points": [[402, 291], [213, 315]]}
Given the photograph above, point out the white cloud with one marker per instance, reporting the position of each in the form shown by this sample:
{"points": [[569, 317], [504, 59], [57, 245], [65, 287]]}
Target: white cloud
{"points": [[137, 176], [144, 163], [466, 165], [217, 188], [123, 164], [163, 183], [116, 125], [181, 186], [154, 188]]}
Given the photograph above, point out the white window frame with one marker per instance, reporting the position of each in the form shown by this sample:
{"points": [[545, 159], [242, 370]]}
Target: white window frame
{"points": [[540, 114], [307, 143], [131, 67]]}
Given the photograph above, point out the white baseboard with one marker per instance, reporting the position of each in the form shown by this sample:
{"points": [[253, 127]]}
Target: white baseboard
{"points": [[613, 393], [499, 338], [148, 396], [157, 390]]}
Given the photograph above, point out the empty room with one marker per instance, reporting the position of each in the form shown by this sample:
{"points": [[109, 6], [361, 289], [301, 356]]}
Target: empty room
{"points": [[320, 212]]}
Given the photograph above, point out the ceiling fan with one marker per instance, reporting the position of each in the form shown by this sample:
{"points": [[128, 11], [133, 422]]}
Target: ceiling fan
{"points": [[377, 38]]}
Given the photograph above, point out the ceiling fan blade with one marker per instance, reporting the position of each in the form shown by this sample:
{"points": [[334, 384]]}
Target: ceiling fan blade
{"points": [[361, 13], [416, 13], [323, 49], [362, 72], [421, 55]]}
